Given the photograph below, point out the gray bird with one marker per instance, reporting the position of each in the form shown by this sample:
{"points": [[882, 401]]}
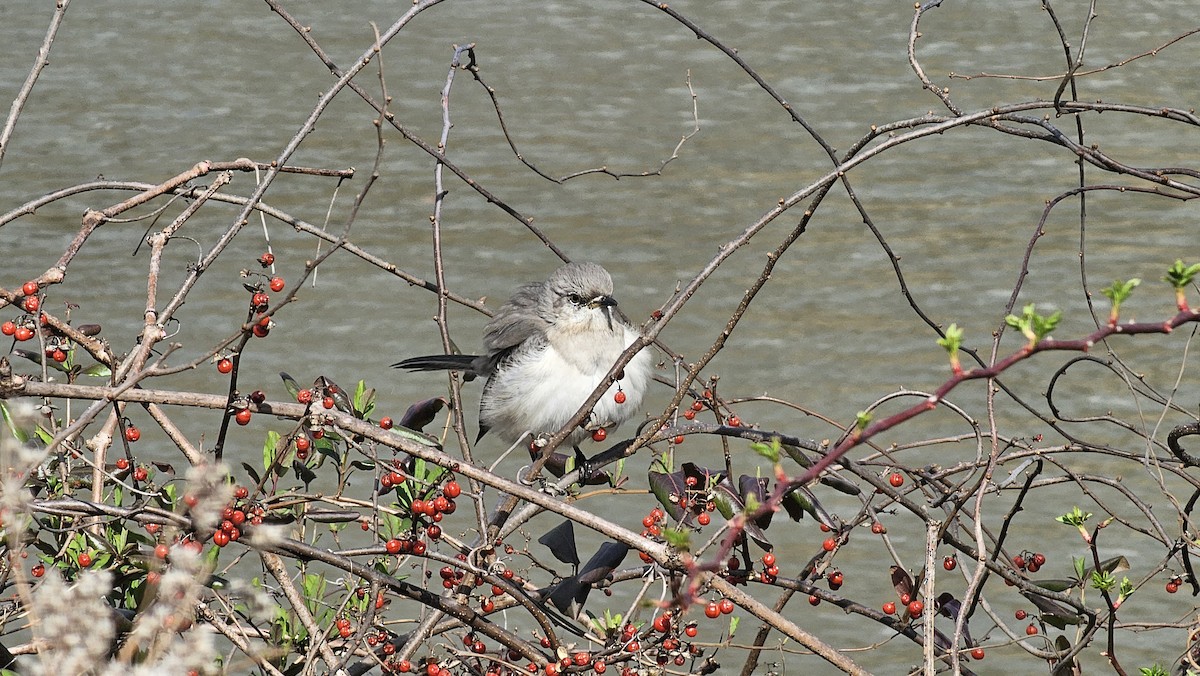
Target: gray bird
{"points": [[545, 352]]}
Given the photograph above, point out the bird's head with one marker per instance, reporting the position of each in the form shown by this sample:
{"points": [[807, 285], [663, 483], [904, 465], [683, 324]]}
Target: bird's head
{"points": [[580, 294]]}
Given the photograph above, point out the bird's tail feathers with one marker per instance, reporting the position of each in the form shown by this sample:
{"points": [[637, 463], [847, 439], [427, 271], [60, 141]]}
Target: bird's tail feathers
{"points": [[439, 362]]}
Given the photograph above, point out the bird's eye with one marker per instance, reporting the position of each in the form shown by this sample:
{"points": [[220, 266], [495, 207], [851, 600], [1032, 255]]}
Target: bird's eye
{"points": [[575, 299]]}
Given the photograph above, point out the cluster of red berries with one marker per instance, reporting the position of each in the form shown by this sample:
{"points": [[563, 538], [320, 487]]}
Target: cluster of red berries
{"points": [[235, 515], [1029, 561], [1173, 584], [392, 477], [25, 327], [715, 609], [139, 473], [344, 627], [914, 607], [651, 528], [706, 401], [430, 668], [259, 300], [770, 571]]}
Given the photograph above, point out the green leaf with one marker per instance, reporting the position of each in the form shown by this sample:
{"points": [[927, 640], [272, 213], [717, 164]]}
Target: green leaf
{"points": [[679, 539], [97, 371], [1076, 517], [1120, 291], [733, 625], [17, 433], [861, 420], [1180, 275], [1103, 581], [952, 340], [769, 451], [269, 445]]}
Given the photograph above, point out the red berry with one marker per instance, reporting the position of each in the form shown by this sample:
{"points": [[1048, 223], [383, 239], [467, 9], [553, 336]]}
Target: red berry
{"points": [[768, 559], [29, 288], [1039, 559], [1031, 630], [896, 479], [600, 434], [977, 653], [703, 519], [691, 630], [84, 560], [712, 610], [1020, 614], [161, 550], [58, 355], [915, 608], [949, 563], [38, 570], [328, 402], [889, 608], [678, 440], [31, 304], [829, 544], [122, 463], [1172, 587], [733, 421], [1019, 561], [241, 492], [434, 532], [878, 528], [689, 414], [267, 259], [23, 333], [276, 284], [304, 396], [619, 397], [8, 328], [260, 301], [599, 666], [814, 600], [132, 434], [224, 365], [836, 578], [726, 606], [140, 474], [386, 423], [242, 417], [303, 444], [452, 489]]}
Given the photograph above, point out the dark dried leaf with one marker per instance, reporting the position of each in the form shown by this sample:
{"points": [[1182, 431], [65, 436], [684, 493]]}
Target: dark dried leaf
{"points": [[560, 540], [902, 582], [668, 488], [422, 413], [1052, 612], [290, 383], [948, 606], [603, 562]]}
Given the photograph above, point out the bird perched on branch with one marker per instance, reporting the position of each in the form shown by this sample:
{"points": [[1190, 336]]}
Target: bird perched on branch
{"points": [[545, 352]]}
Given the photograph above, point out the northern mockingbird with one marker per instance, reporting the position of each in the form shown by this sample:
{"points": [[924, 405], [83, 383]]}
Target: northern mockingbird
{"points": [[545, 352]]}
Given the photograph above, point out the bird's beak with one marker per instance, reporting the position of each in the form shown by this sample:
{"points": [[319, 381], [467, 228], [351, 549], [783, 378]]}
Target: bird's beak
{"points": [[602, 301], [604, 304]]}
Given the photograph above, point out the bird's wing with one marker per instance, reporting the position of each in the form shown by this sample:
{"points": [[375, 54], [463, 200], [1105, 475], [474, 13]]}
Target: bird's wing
{"points": [[515, 321]]}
